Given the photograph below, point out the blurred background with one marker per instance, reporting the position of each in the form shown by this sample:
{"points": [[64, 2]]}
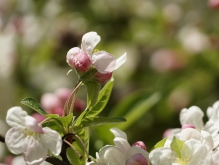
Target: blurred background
{"points": [[172, 63]]}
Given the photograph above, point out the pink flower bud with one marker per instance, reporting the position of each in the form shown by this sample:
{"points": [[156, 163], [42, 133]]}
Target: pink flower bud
{"points": [[50, 102], [137, 159], [76, 58], [214, 4], [187, 126], [140, 144], [102, 78]]}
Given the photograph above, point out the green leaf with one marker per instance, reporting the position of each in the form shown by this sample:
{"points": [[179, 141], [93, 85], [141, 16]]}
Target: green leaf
{"points": [[34, 104], [102, 100], [139, 110], [159, 144], [176, 145], [63, 121], [93, 89], [99, 120], [54, 125]]}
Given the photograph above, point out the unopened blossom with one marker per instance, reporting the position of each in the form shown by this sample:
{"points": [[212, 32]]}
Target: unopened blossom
{"points": [[214, 4], [28, 137], [82, 58], [122, 153]]}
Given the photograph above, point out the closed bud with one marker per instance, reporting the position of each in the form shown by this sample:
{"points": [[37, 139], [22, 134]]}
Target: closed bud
{"points": [[140, 144]]}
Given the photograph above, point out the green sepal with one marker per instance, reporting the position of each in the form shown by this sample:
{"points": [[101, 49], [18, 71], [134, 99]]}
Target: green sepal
{"points": [[93, 89], [176, 145], [34, 104], [102, 100]]}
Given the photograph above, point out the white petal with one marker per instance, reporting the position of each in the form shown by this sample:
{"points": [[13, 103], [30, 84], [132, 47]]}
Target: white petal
{"points": [[121, 60], [52, 140], [118, 133], [190, 133], [16, 141], [18, 160], [32, 124], [121, 143], [193, 116], [16, 117], [162, 156], [89, 41], [135, 150], [103, 62], [35, 152], [111, 155]]}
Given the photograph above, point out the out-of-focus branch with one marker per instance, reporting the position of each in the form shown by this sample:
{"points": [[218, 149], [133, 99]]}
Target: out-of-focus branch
{"points": [[2, 138]]}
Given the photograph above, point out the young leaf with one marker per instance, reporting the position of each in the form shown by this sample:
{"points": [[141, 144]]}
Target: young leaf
{"points": [[103, 98], [53, 124], [99, 120], [93, 89], [176, 145], [34, 104], [160, 143]]}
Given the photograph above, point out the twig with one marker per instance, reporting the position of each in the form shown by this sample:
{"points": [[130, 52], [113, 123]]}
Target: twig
{"points": [[55, 161]]}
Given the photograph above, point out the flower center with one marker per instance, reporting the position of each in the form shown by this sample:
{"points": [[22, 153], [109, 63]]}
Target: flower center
{"points": [[182, 161], [27, 132]]}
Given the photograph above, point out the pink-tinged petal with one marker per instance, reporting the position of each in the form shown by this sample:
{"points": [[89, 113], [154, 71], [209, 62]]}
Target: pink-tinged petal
{"points": [[71, 54], [52, 140], [121, 60], [32, 124], [111, 155], [16, 141], [89, 41], [16, 117], [118, 133], [193, 116], [18, 160], [35, 152], [39, 118], [137, 159], [81, 62], [136, 150], [121, 143], [187, 126], [104, 62], [102, 78]]}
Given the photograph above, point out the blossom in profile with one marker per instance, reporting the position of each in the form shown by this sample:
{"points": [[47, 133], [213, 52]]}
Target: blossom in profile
{"points": [[28, 137], [85, 57], [122, 153]]}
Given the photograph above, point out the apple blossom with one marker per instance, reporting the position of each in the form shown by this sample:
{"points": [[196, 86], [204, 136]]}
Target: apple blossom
{"points": [[83, 58], [28, 137], [122, 153], [196, 150]]}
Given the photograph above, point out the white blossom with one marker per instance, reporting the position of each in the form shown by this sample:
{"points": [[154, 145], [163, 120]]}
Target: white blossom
{"points": [[28, 137]]}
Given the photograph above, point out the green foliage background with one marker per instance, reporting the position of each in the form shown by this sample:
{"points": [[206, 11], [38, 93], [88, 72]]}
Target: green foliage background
{"points": [[36, 35]]}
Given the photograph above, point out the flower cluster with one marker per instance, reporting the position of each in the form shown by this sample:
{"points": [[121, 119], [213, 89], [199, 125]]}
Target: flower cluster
{"points": [[193, 144]]}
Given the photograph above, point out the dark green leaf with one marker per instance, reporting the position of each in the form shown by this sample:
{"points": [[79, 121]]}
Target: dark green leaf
{"points": [[99, 120], [34, 104]]}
